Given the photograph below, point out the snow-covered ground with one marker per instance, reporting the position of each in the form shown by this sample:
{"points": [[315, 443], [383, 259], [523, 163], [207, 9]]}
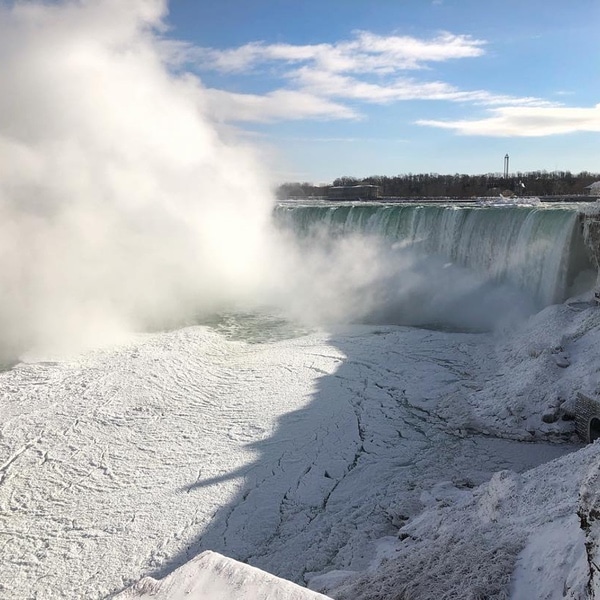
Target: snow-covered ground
{"points": [[359, 460]]}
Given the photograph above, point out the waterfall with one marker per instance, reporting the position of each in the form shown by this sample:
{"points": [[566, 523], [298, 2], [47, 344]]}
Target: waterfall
{"points": [[539, 250]]}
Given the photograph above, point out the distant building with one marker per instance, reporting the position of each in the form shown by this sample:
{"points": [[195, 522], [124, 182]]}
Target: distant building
{"points": [[594, 189], [354, 192]]}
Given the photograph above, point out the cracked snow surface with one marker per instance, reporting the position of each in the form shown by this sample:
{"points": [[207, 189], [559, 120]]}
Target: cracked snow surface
{"points": [[297, 456]]}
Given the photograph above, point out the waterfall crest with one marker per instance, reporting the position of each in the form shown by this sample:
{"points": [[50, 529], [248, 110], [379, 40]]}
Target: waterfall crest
{"points": [[539, 250]]}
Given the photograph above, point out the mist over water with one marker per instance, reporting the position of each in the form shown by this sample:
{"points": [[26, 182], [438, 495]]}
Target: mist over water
{"points": [[123, 207], [364, 278]]}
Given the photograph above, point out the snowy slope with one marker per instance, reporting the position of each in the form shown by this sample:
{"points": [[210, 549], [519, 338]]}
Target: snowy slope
{"points": [[541, 367], [211, 576], [518, 536]]}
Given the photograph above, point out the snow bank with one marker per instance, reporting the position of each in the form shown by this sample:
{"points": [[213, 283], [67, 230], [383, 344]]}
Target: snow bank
{"points": [[540, 369], [517, 536], [211, 576]]}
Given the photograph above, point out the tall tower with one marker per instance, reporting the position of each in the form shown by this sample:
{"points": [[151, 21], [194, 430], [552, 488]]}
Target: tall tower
{"points": [[506, 167]]}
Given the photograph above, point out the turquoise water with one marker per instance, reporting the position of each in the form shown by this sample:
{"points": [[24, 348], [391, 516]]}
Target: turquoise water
{"points": [[256, 327]]}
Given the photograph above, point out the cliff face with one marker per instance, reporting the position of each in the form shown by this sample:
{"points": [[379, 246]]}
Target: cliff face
{"points": [[589, 516], [591, 235], [589, 498]]}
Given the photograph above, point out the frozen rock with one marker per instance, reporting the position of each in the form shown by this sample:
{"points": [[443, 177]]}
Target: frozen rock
{"points": [[550, 416], [211, 576]]}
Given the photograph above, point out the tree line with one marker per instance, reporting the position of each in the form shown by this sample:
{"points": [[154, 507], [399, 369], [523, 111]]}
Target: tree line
{"points": [[432, 185]]}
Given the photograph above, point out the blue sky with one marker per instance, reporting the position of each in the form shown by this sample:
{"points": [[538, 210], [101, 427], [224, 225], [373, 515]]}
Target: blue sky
{"points": [[347, 87]]}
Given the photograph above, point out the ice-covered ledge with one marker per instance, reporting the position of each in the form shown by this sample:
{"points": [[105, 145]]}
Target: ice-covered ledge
{"points": [[211, 576], [590, 222]]}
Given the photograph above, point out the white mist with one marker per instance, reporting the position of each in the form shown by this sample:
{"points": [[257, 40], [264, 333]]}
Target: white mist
{"points": [[121, 207]]}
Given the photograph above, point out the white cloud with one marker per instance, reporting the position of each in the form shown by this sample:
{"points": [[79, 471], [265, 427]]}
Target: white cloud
{"points": [[523, 121], [274, 106], [366, 52], [334, 85], [321, 79], [402, 52]]}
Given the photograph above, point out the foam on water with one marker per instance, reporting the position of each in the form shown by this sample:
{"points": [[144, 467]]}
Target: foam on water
{"points": [[258, 327]]}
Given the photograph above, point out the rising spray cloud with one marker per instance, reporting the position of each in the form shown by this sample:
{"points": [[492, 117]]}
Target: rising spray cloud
{"points": [[120, 204]]}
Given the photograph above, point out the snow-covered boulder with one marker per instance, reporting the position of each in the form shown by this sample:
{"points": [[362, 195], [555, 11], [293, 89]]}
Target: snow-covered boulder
{"points": [[211, 576]]}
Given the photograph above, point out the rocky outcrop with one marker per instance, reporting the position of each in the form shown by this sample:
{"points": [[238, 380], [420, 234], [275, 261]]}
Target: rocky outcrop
{"points": [[589, 517]]}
